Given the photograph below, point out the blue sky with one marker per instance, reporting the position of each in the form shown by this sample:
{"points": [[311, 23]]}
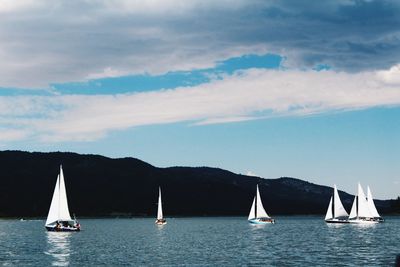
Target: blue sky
{"points": [[280, 88]]}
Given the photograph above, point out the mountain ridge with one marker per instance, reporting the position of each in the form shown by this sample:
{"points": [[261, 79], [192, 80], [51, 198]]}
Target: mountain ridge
{"points": [[103, 186]]}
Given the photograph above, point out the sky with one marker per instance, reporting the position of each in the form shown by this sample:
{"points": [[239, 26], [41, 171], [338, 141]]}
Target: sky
{"points": [[306, 89]]}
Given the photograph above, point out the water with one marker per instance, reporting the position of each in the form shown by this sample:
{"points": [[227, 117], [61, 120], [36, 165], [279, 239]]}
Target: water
{"points": [[292, 241]]}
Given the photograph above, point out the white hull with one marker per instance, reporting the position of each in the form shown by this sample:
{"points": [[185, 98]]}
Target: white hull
{"points": [[364, 221], [262, 221], [161, 223]]}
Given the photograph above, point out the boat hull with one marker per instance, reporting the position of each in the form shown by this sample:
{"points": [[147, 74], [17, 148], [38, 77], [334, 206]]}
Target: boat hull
{"points": [[365, 221], [262, 221], [161, 222], [62, 229], [336, 221]]}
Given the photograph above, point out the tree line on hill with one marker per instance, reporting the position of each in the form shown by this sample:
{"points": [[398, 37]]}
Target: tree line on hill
{"points": [[101, 186]]}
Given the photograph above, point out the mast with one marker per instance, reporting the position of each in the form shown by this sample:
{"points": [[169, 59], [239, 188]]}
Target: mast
{"points": [[333, 202], [255, 208], [357, 206], [59, 195]]}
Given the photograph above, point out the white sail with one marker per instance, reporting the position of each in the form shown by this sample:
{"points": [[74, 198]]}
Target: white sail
{"points": [[261, 213], [339, 210], [329, 214], [363, 209], [159, 211], [252, 214], [64, 211], [53, 211], [59, 204], [353, 212], [371, 204]]}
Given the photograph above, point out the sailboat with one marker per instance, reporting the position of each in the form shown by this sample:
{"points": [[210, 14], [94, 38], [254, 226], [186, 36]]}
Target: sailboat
{"points": [[336, 213], [59, 218], [258, 215], [160, 218], [360, 211]]}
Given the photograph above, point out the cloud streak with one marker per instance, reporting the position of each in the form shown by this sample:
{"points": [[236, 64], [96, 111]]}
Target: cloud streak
{"points": [[244, 95]]}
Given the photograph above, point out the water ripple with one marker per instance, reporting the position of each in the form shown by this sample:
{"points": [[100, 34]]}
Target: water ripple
{"points": [[292, 241]]}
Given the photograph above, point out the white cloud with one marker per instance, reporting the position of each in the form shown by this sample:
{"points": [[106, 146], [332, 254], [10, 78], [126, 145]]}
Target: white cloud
{"points": [[46, 42], [391, 76], [251, 94], [226, 120], [250, 173], [167, 6], [12, 5], [106, 73], [7, 135]]}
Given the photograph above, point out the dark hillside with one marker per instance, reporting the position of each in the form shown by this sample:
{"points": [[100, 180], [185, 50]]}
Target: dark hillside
{"points": [[100, 186]]}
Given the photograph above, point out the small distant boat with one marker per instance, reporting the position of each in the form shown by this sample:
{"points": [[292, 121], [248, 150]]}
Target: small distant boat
{"points": [[363, 211], [258, 215], [160, 218], [336, 213], [59, 219]]}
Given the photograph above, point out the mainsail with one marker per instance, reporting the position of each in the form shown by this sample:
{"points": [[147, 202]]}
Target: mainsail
{"points": [[261, 213], [59, 204], [363, 209], [338, 209], [371, 204], [159, 211]]}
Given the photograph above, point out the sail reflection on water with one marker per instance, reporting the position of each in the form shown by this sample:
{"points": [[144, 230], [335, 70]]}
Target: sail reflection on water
{"points": [[59, 248]]}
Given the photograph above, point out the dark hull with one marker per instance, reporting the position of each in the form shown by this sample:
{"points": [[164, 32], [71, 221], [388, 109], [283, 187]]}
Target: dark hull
{"points": [[336, 221], [54, 229]]}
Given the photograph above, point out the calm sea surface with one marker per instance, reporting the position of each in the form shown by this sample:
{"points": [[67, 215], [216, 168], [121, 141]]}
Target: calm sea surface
{"points": [[292, 241]]}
